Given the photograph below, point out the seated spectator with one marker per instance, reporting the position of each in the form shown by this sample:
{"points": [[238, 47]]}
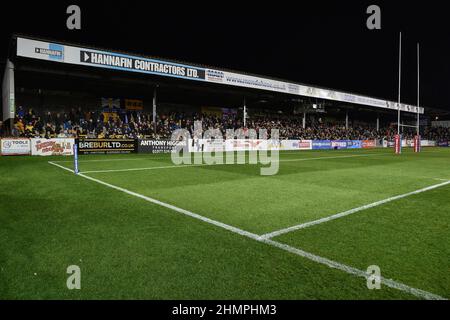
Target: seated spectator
{"points": [[133, 125]]}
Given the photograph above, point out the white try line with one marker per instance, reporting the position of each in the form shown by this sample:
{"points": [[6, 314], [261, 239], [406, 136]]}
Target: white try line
{"points": [[349, 212], [324, 261], [204, 164]]}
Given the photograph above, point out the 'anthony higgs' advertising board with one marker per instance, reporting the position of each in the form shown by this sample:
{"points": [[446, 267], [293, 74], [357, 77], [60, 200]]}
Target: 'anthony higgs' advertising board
{"points": [[15, 147], [52, 147], [61, 53], [157, 146]]}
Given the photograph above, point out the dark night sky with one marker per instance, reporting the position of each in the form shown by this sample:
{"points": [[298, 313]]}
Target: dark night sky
{"points": [[325, 43]]}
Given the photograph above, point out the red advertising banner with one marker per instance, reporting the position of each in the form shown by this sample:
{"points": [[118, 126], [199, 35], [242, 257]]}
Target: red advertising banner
{"points": [[367, 144]]}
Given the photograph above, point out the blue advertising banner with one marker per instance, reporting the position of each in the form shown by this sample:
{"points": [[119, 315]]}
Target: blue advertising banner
{"points": [[354, 144], [339, 144], [321, 144], [336, 144]]}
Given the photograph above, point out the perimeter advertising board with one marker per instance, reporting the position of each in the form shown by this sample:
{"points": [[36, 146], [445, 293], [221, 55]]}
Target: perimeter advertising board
{"points": [[15, 147], [367, 144], [321, 144], [156, 146], [102, 146], [209, 145], [52, 147]]}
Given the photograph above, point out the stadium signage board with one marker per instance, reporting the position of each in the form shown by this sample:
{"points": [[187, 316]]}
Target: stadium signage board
{"points": [[338, 144], [367, 144], [52, 147], [230, 145], [321, 144], [156, 146], [15, 147], [428, 143], [292, 145], [95, 58], [111, 60], [354, 144], [102, 146]]}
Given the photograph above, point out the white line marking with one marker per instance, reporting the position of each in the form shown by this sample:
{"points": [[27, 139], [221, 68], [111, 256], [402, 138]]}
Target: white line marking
{"points": [[349, 212], [204, 164], [324, 261], [60, 166]]}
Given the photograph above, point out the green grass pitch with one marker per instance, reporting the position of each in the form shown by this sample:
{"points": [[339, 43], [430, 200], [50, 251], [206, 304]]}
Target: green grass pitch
{"points": [[130, 248]]}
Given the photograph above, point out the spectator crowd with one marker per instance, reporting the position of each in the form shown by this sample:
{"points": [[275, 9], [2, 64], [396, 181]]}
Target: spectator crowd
{"points": [[79, 123]]}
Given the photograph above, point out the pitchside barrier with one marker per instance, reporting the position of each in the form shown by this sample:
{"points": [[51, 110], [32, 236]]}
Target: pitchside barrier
{"points": [[106, 146], [204, 145], [64, 146], [409, 143], [37, 147], [15, 147]]}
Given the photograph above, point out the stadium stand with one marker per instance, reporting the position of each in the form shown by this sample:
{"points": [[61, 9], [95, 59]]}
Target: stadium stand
{"points": [[93, 124]]}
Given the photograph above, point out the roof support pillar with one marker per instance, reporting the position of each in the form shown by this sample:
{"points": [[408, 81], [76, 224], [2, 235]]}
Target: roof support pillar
{"points": [[154, 109], [346, 119]]}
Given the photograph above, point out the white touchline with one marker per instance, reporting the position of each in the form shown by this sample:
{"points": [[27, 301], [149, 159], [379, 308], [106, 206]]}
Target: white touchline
{"points": [[324, 261], [351, 211], [204, 164]]}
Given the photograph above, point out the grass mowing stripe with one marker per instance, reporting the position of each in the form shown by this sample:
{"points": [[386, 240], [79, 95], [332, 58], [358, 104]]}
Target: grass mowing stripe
{"points": [[348, 212], [330, 263], [353, 271], [144, 169]]}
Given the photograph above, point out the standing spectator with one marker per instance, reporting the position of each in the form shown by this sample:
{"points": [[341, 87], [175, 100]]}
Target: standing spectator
{"points": [[20, 112]]}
